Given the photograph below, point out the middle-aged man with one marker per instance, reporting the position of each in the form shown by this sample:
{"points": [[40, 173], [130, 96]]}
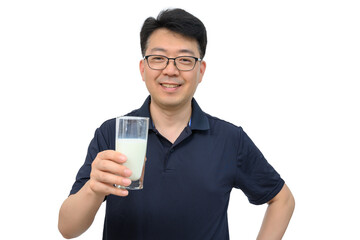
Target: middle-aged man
{"points": [[194, 160]]}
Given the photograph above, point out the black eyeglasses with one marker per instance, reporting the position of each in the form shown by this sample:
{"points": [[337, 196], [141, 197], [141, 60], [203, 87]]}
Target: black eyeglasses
{"points": [[182, 63]]}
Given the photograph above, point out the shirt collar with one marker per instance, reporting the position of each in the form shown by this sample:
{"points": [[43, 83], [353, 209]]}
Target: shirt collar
{"points": [[199, 120]]}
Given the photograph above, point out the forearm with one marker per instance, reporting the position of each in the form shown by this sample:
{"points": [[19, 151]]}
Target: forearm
{"points": [[277, 216], [78, 212]]}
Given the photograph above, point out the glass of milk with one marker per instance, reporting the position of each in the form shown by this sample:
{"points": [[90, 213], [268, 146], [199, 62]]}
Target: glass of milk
{"points": [[131, 140]]}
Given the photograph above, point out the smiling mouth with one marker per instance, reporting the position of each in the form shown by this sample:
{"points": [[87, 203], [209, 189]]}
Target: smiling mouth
{"points": [[170, 85]]}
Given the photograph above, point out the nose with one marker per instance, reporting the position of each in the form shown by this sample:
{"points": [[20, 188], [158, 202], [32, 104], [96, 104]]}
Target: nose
{"points": [[171, 68]]}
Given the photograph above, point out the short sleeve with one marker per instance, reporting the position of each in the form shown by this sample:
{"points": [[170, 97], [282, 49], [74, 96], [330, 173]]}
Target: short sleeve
{"points": [[104, 139], [255, 176]]}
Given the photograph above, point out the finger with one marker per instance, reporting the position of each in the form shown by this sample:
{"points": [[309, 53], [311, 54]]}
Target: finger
{"points": [[109, 178], [119, 192], [113, 156], [108, 189], [113, 167]]}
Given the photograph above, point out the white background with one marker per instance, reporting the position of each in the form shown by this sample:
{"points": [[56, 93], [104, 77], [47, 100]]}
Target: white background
{"points": [[286, 71]]}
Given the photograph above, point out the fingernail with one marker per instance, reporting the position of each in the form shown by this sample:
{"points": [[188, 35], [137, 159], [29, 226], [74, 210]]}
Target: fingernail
{"points": [[126, 181], [127, 172]]}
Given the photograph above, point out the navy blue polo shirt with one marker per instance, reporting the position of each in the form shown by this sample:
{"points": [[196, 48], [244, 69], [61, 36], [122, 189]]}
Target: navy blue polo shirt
{"points": [[187, 184]]}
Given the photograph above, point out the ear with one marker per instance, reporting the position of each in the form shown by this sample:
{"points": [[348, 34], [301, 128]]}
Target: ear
{"points": [[202, 70], [142, 68]]}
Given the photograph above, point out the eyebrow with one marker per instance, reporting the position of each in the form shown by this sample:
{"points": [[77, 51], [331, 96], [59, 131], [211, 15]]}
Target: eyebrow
{"points": [[158, 49]]}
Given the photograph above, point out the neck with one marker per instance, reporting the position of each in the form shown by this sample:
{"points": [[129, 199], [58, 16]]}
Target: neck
{"points": [[170, 122]]}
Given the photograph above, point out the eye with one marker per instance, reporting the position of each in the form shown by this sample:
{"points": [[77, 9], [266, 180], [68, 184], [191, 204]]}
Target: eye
{"points": [[185, 60], [157, 59]]}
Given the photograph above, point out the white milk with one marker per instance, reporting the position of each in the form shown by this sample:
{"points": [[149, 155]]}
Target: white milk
{"points": [[134, 149]]}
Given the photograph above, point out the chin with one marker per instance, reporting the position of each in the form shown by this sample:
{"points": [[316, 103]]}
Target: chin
{"points": [[169, 102]]}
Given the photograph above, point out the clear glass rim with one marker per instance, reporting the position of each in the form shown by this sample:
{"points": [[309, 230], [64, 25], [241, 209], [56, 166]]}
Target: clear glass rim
{"points": [[132, 117]]}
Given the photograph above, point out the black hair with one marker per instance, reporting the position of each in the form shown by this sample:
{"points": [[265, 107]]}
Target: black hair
{"points": [[178, 21]]}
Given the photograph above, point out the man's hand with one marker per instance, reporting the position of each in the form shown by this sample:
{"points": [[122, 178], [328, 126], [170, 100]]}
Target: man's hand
{"points": [[107, 170], [78, 210]]}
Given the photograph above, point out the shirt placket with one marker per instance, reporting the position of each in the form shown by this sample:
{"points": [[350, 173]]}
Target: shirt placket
{"points": [[169, 164]]}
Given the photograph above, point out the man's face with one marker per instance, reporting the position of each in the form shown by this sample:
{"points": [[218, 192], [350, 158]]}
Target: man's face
{"points": [[170, 88]]}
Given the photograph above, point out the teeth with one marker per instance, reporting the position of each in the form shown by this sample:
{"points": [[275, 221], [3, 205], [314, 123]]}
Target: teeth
{"points": [[170, 85]]}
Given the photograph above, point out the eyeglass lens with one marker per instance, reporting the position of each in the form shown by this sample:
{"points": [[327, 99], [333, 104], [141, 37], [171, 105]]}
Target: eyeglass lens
{"points": [[183, 63]]}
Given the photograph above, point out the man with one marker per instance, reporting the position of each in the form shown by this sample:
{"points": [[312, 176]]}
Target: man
{"points": [[193, 159]]}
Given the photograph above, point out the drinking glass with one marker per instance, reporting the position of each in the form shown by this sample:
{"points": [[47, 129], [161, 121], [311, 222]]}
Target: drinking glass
{"points": [[131, 140]]}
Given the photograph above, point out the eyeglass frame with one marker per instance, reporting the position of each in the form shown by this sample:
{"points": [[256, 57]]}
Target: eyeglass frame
{"points": [[168, 60]]}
